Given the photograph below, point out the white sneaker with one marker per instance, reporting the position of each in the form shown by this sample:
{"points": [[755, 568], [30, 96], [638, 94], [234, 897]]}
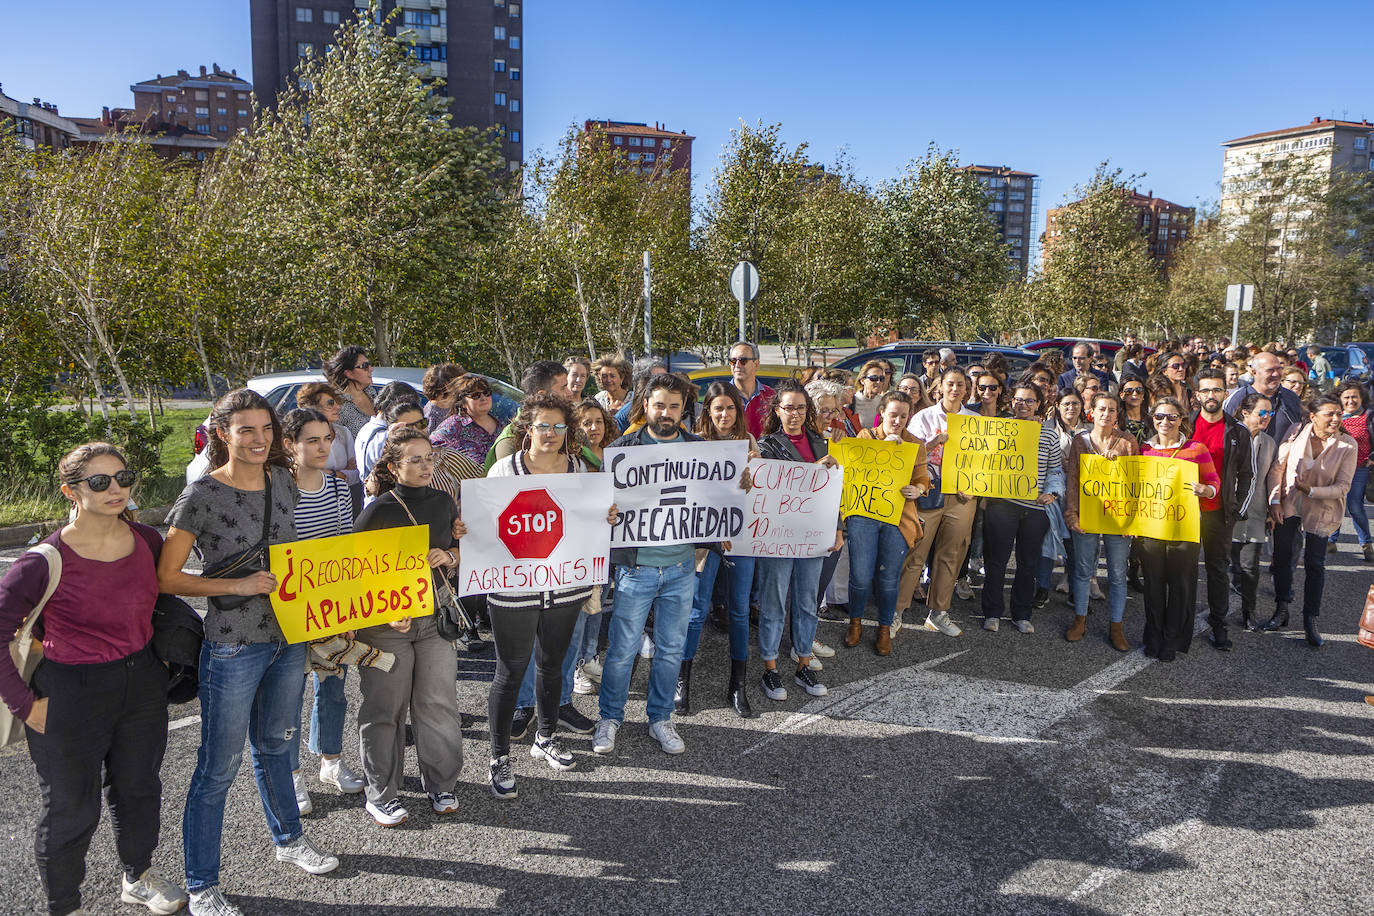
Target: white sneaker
{"points": [[153, 891], [443, 802], [389, 813], [302, 796], [1024, 626], [667, 737], [964, 589], [990, 624], [592, 669], [337, 774], [939, 622], [307, 856], [211, 902], [603, 738], [1061, 584], [646, 646], [896, 623], [583, 685], [1095, 590], [814, 664], [821, 650]]}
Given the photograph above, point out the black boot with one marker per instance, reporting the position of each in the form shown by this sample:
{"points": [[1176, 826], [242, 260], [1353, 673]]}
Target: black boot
{"points": [[1280, 618], [739, 696], [1247, 619], [682, 697], [1309, 623]]}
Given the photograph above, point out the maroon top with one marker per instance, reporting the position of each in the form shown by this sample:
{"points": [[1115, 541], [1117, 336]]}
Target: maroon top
{"points": [[802, 445], [100, 612]]}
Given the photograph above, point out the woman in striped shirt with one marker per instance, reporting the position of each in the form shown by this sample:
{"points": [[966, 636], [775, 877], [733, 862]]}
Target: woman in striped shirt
{"points": [[325, 509]]}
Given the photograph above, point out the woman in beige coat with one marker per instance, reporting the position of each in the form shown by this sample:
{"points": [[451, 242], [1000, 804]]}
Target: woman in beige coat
{"points": [[1307, 487]]}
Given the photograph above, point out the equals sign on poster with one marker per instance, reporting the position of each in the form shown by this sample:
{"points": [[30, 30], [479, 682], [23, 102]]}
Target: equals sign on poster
{"points": [[669, 499]]}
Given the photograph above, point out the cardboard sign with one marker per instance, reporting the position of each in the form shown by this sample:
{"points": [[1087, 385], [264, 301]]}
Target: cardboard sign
{"points": [[678, 493], [1141, 495], [875, 471], [331, 585], [534, 533], [991, 456], [793, 510]]}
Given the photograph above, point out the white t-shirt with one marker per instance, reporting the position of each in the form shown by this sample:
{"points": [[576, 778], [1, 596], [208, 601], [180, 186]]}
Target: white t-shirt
{"points": [[929, 423], [341, 453]]}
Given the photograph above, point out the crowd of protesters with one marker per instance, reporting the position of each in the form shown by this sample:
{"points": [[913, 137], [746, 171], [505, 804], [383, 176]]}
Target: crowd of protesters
{"points": [[1283, 455]]}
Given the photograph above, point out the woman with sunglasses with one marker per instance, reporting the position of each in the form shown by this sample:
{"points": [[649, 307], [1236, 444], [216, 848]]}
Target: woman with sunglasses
{"points": [[472, 429], [422, 676], [1135, 410], [534, 624], [251, 678], [1307, 487], [1170, 567], [1252, 530], [1175, 370], [990, 396], [96, 712], [1357, 420], [1104, 440], [350, 372], [872, 381]]}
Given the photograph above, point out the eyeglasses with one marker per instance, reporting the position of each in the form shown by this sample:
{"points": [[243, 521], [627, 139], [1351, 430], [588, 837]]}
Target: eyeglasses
{"points": [[1025, 401], [558, 429], [417, 460], [740, 360], [828, 412], [1166, 417], [99, 483], [791, 408], [1205, 391], [364, 366]]}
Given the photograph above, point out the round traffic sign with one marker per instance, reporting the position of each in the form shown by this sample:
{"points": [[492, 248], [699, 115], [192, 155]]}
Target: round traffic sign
{"points": [[531, 526], [744, 281]]}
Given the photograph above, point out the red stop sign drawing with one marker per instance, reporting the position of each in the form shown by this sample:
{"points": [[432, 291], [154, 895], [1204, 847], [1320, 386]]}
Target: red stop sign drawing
{"points": [[531, 526]]}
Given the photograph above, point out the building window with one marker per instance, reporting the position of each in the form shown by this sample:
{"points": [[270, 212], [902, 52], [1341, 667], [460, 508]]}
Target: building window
{"points": [[619, 141], [221, 95], [500, 33], [430, 52], [1017, 208], [201, 94], [515, 136], [635, 141], [243, 112], [223, 129], [515, 165], [515, 42], [305, 14], [202, 112], [514, 104], [171, 98], [304, 49], [648, 157], [1361, 143], [514, 11], [500, 65], [331, 17], [515, 73], [243, 96], [500, 2], [500, 98], [1018, 195], [202, 128], [634, 157], [667, 144]]}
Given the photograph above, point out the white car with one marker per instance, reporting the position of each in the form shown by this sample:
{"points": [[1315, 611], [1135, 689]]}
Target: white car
{"points": [[279, 388]]}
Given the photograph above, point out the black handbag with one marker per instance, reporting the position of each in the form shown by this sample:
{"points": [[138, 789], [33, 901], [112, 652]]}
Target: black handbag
{"points": [[245, 562], [451, 619]]}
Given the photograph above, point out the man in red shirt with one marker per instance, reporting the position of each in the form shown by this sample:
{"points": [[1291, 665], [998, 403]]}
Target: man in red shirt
{"points": [[1229, 444], [744, 371]]}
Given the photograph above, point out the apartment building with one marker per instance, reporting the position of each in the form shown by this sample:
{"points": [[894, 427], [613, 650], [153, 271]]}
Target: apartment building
{"points": [[1013, 199]]}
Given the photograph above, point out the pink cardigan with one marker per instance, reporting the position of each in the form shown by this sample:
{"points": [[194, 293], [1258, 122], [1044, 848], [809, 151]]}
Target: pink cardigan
{"points": [[1332, 470]]}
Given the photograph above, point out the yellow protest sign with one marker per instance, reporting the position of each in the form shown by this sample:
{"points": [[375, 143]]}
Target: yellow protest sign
{"points": [[874, 473], [1142, 495], [991, 456], [330, 585]]}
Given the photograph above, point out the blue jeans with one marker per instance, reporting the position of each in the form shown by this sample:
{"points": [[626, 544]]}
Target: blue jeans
{"points": [[526, 695], [876, 553], [590, 640], [1085, 567], [250, 690], [668, 590], [326, 718], [741, 575], [776, 576], [1354, 507]]}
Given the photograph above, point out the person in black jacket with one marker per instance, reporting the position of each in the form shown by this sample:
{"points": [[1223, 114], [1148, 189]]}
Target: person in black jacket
{"points": [[1229, 443]]}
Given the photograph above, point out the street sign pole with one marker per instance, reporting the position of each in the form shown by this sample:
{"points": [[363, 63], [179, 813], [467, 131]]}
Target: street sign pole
{"points": [[744, 283], [648, 310], [1240, 297]]}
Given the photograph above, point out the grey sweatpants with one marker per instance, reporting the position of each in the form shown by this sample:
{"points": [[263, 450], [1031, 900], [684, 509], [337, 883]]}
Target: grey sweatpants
{"points": [[424, 679]]}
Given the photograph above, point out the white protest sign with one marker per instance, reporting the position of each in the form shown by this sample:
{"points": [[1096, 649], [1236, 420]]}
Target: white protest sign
{"points": [[793, 510], [534, 533], [679, 493]]}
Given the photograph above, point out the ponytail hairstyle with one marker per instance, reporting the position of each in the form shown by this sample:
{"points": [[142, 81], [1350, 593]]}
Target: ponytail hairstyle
{"points": [[71, 470], [382, 478], [222, 418]]}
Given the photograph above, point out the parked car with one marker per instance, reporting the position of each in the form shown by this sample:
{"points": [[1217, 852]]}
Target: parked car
{"points": [[1350, 362], [1107, 348], [279, 388], [905, 355]]}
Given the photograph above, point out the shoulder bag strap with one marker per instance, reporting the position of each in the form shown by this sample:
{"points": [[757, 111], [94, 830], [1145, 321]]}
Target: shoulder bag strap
{"points": [[405, 507], [267, 505], [54, 558]]}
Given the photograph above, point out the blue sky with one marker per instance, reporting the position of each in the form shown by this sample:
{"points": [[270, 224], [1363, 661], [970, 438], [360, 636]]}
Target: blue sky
{"points": [[1048, 88]]}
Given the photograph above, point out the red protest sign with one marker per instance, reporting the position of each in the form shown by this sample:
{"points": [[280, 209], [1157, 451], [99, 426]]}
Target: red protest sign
{"points": [[531, 526]]}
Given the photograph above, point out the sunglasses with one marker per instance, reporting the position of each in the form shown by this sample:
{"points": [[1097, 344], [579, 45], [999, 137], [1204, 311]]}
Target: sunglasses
{"points": [[421, 425], [479, 393], [1264, 414], [99, 483], [1170, 417], [1172, 366], [989, 387], [1132, 390], [556, 428], [875, 378], [740, 360], [329, 402], [364, 366]]}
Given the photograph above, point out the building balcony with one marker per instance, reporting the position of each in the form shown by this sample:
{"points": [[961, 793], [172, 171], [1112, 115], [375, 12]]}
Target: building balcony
{"points": [[433, 69]]}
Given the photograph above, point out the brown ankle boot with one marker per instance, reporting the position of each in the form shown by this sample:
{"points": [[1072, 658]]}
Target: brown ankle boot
{"points": [[883, 645], [1080, 626], [1117, 637], [856, 629]]}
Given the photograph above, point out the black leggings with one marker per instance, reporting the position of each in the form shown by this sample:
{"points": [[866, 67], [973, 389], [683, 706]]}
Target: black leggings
{"points": [[1287, 537], [107, 725], [519, 633]]}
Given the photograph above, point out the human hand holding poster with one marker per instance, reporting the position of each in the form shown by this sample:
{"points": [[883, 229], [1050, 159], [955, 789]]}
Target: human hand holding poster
{"points": [[679, 493], [534, 533], [991, 456], [792, 510], [1141, 495], [875, 471], [332, 585]]}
